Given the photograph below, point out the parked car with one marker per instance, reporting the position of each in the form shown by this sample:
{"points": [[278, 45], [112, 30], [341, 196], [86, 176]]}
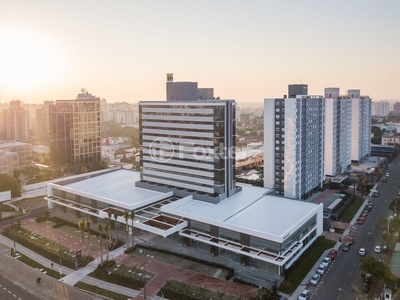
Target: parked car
{"points": [[315, 279], [362, 252], [346, 247], [332, 254], [384, 179], [360, 221], [305, 295], [377, 249], [350, 241], [376, 194], [387, 174], [384, 247], [326, 261], [321, 269]]}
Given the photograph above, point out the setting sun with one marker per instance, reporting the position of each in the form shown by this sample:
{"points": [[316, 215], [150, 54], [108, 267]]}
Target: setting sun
{"points": [[24, 62]]}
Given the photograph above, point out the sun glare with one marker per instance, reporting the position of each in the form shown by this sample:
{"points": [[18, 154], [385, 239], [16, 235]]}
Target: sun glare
{"points": [[24, 63]]}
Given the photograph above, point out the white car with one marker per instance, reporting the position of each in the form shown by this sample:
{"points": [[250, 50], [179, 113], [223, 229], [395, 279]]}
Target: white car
{"points": [[377, 249], [305, 295], [362, 252], [326, 261], [321, 269], [315, 279], [387, 174]]}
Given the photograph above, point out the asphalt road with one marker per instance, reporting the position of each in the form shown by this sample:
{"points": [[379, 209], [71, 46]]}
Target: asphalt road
{"points": [[345, 272], [9, 290]]}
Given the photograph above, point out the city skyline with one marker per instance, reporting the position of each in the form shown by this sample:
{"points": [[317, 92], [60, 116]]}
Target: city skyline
{"points": [[122, 50]]}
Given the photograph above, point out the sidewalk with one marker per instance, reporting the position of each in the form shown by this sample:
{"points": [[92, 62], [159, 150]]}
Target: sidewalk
{"points": [[52, 286]]}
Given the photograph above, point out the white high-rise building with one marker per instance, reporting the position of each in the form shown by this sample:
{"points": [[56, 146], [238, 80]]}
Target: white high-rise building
{"points": [[294, 145], [361, 126], [338, 122]]}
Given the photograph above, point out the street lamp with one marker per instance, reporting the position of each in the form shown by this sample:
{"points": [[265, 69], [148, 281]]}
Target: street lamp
{"points": [[373, 235], [389, 220], [342, 290]]}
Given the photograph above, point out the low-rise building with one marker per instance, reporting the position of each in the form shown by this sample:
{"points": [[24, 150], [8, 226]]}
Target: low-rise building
{"points": [[8, 162], [24, 151]]}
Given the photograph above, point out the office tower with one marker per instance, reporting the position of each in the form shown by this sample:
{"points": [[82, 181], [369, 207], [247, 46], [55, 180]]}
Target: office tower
{"points": [[16, 121], [338, 114], [75, 130], [380, 108], [361, 126], [294, 145], [189, 147], [295, 90]]}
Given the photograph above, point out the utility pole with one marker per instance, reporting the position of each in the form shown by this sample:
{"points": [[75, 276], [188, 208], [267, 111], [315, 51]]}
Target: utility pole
{"points": [[145, 281], [15, 245]]}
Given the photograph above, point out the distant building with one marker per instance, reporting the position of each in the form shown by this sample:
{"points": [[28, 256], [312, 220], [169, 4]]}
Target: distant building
{"points": [[396, 108], [24, 151], [294, 145], [390, 139], [75, 130], [16, 121], [361, 126], [8, 162], [338, 122], [380, 109]]}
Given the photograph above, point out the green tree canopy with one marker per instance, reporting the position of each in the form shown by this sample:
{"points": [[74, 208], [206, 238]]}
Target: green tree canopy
{"points": [[9, 183], [377, 269]]}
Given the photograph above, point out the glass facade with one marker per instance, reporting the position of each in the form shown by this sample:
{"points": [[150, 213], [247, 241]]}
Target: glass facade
{"points": [[75, 132]]}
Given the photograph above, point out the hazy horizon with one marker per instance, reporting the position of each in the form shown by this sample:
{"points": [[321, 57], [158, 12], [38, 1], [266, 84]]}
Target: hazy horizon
{"points": [[247, 51]]}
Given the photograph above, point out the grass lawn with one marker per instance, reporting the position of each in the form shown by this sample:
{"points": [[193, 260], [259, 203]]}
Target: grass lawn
{"points": [[30, 262], [99, 291], [350, 212], [300, 268]]}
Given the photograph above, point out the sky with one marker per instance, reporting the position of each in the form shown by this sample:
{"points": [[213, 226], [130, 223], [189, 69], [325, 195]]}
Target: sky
{"points": [[121, 50]]}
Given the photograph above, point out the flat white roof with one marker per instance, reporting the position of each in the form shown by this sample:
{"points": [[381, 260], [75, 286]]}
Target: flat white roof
{"points": [[249, 211], [116, 188]]}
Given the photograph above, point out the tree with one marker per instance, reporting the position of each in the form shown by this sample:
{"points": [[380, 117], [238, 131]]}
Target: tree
{"points": [[126, 216], [132, 215], [107, 230], [100, 229], [377, 269], [9, 183], [82, 228], [116, 225]]}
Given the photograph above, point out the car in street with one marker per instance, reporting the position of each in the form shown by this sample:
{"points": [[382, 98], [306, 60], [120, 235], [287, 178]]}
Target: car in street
{"points": [[321, 269], [326, 261], [305, 295], [332, 254], [315, 279], [361, 221], [384, 247], [362, 252], [376, 194], [387, 175], [377, 249], [346, 247], [384, 179], [365, 212]]}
